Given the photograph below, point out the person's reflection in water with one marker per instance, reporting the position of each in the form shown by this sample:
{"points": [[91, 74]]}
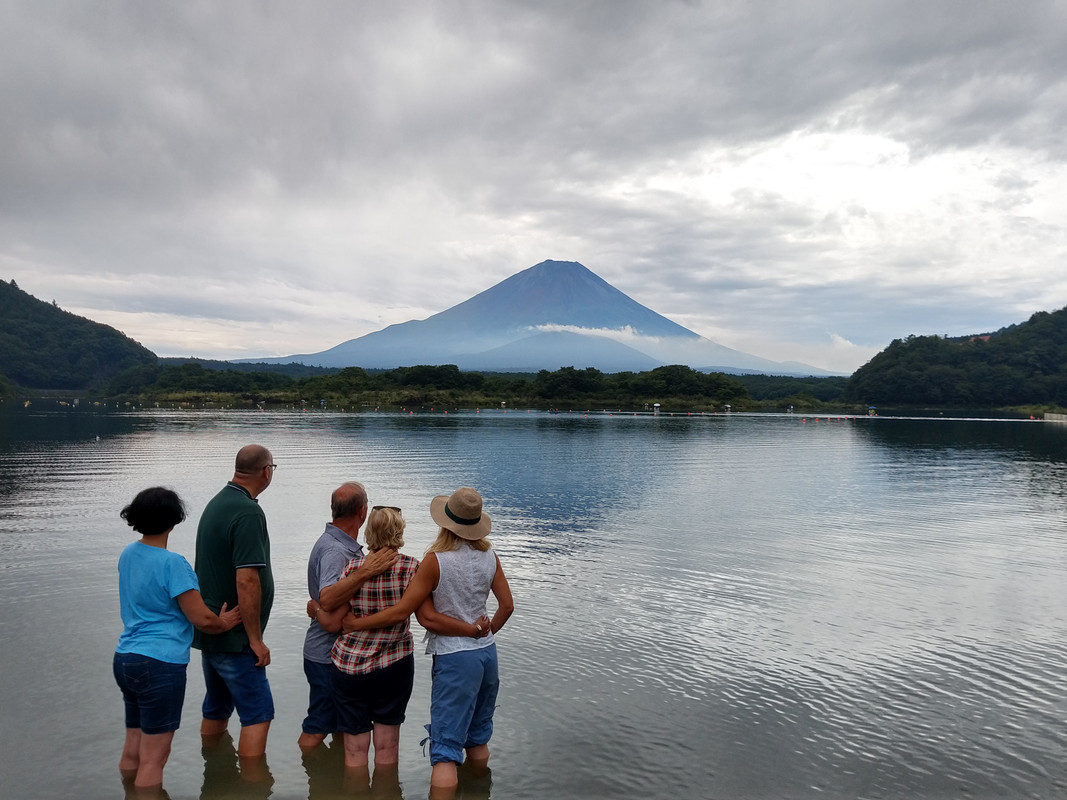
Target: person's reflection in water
{"points": [[228, 776], [131, 792], [384, 784], [324, 765], [475, 783]]}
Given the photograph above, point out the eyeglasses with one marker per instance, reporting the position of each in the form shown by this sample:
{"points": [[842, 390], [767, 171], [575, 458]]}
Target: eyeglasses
{"points": [[382, 508], [272, 466]]}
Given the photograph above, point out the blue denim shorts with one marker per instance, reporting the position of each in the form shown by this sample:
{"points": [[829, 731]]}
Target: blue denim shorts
{"points": [[153, 692], [380, 696], [234, 681], [462, 701], [322, 711]]}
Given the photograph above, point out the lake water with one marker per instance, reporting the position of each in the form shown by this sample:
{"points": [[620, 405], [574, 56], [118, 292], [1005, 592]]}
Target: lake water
{"points": [[722, 606]]}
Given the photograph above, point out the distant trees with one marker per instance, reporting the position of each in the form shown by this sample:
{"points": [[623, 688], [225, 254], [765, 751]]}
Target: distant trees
{"points": [[568, 383], [429, 385], [673, 383], [1024, 364], [795, 390], [192, 378], [445, 376]]}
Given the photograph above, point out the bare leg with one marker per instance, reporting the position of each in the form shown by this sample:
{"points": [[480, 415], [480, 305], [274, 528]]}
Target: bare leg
{"points": [[443, 775], [130, 759], [478, 757], [478, 753], [155, 750], [309, 741], [253, 741], [211, 730], [356, 747], [386, 744]]}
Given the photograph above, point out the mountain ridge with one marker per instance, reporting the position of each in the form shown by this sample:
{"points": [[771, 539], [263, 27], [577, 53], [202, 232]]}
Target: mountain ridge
{"points": [[44, 347], [504, 327]]}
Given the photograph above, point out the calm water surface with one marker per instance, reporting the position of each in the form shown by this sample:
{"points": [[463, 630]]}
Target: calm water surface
{"points": [[707, 606]]}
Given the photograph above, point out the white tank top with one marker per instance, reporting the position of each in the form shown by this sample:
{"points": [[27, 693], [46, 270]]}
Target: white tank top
{"points": [[462, 589]]}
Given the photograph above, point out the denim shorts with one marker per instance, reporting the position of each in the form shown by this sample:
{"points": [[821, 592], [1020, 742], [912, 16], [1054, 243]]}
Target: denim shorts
{"points": [[462, 701], [322, 711], [234, 681], [380, 696], [153, 692]]}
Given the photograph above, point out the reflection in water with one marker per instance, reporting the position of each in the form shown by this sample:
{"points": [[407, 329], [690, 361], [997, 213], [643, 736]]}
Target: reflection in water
{"points": [[228, 776], [384, 784], [329, 779], [324, 764], [131, 792], [475, 783], [1032, 440]]}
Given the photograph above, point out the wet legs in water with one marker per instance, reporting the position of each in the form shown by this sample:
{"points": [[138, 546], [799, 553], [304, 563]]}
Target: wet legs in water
{"points": [[144, 755], [386, 746], [444, 775]]}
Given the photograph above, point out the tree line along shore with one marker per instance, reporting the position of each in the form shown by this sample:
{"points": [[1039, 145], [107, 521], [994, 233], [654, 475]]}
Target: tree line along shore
{"points": [[188, 383], [192, 384]]}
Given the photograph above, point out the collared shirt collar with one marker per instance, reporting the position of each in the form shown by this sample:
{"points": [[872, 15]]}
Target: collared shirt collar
{"points": [[240, 488], [344, 539]]}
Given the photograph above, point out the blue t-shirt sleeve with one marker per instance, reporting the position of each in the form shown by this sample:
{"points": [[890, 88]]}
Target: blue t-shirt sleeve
{"points": [[180, 576]]}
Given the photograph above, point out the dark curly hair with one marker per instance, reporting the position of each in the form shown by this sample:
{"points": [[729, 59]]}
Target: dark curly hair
{"points": [[153, 511]]}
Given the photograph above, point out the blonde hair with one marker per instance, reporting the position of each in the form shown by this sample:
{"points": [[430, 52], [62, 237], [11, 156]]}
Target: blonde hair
{"points": [[446, 541], [385, 528]]}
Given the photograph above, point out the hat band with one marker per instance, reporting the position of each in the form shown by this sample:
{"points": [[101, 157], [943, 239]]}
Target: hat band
{"points": [[462, 520]]}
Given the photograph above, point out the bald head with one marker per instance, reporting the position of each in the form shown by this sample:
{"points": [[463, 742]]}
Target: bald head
{"points": [[348, 501], [251, 459], [253, 468]]}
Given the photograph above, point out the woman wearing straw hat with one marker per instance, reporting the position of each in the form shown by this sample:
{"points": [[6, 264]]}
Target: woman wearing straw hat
{"points": [[455, 578]]}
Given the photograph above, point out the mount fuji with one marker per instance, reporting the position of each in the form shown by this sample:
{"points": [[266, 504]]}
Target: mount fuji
{"points": [[554, 314]]}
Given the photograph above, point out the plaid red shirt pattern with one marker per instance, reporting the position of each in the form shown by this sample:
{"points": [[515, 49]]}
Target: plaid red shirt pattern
{"points": [[360, 652]]}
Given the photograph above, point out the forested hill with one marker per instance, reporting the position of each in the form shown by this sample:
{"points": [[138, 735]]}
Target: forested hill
{"points": [[44, 347], [1025, 364]]}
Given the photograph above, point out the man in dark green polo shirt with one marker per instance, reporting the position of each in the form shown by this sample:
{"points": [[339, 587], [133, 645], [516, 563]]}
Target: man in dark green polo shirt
{"points": [[233, 566]]}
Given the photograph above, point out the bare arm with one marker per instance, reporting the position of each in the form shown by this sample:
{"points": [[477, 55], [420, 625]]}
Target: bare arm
{"points": [[196, 611], [338, 594], [418, 590], [249, 593], [433, 620], [502, 592], [331, 620]]}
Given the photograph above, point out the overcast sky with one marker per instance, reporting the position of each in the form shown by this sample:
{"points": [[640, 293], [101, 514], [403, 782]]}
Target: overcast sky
{"points": [[798, 180]]}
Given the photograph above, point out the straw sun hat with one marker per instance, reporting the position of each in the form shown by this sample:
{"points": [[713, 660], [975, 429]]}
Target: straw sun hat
{"points": [[461, 513]]}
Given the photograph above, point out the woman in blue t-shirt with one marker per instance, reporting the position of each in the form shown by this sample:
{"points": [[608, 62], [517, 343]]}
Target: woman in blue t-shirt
{"points": [[160, 601]]}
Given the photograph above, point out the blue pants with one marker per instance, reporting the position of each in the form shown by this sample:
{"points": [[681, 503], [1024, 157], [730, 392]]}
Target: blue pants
{"points": [[462, 702]]}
